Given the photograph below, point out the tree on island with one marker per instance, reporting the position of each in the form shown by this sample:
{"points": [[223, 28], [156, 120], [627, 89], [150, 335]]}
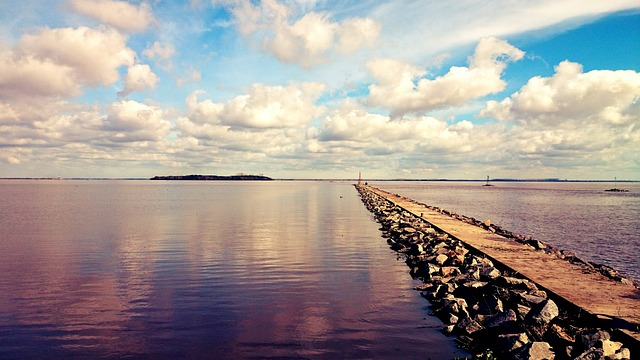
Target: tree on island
{"points": [[212, 177]]}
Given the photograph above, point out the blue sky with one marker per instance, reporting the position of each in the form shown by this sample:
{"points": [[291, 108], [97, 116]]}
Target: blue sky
{"points": [[320, 89]]}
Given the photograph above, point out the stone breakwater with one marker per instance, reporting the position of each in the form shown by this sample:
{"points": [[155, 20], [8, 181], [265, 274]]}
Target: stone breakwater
{"points": [[489, 308]]}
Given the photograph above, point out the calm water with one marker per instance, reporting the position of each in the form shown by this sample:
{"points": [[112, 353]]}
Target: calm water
{"points": [[580, 217], [142, 269]]}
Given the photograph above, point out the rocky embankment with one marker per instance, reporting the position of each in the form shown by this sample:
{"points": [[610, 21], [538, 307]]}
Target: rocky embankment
{"points": [[491, 310]]}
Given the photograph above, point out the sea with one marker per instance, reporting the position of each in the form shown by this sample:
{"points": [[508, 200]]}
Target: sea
{"points": [[254, 269], [204, 270]]}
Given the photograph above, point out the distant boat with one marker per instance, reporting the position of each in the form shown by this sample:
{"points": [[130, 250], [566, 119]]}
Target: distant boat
{"points": [[487, 184], [615, 187]]}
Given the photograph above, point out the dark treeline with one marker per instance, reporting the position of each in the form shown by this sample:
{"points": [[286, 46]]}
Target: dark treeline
{"points": [[212, 177]]}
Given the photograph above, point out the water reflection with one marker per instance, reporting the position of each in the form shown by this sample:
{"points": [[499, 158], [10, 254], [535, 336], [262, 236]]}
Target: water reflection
{"points": [[175, 269]]}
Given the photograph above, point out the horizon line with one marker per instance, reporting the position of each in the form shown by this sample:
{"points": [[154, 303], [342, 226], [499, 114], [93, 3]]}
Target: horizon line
{"points": [[339, 179]]}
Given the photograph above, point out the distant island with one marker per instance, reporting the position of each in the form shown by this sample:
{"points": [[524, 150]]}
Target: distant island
{"points": [[212, 177]]}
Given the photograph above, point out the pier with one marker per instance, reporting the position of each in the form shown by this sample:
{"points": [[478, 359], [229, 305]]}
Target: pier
{"points": [[609, 303]]}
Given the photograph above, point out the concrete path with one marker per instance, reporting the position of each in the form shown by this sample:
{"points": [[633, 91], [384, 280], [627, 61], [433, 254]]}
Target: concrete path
{"points": [[588, 290]]}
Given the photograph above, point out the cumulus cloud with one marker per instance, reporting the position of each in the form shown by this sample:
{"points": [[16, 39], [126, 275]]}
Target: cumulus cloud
{"points": [[376, 134], [267, 125], [573, 117], [357, 33], [129, 120], [262, 107], [58, 62], [26, 75], [571, 96], [138, 78], [119, 14], [307, 40], [403, 88]]}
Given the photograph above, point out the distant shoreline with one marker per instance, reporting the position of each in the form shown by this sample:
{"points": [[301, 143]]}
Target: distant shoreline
{"points": [[244, 177], [212, 177]]}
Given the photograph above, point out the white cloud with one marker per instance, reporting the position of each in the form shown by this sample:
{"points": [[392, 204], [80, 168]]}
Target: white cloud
{"points": [[58, 62], [573, 118], [262, 107], [403, 88], [130, 120], [357, 33], [417, 30], [307, 40], [375, 134], [28, 76], [571, 98], [265, 126], [138, 78], [120, 14]]}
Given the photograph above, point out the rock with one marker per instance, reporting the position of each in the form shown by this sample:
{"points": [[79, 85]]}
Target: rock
{"points": [[448, 330], [408, 230], [456, 306], [624, 353], [430, 231], [590, 340], [451, 287], [531, 299], [438, 292], [424, 287], [450, 271], [432, 269], [451, 319], [558, 336], [489, 304], [610, 347], [543, 313], [441, 259], [416, 249], [515, 283], [592, 354], [538, 293], [468, 326], [538, 245], [509, 315], [510, 342], [503, 319], [522, 311], [456, 259], [460, 250], [489, 273], [476, 284], [535, 351], [485, 262]]}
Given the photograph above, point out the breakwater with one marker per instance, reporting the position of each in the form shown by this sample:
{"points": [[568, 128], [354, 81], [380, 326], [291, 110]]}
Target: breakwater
{"points": [[516, 299]]}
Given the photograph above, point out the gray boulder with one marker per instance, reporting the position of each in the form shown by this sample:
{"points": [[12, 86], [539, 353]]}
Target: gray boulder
{"points": [[543, 313]]}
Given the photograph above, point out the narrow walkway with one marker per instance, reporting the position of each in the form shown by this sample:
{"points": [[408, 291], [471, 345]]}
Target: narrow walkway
{"points": [[587, 290]]}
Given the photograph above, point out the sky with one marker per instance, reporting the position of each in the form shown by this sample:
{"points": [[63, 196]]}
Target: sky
{"points": [[320, 88]]}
